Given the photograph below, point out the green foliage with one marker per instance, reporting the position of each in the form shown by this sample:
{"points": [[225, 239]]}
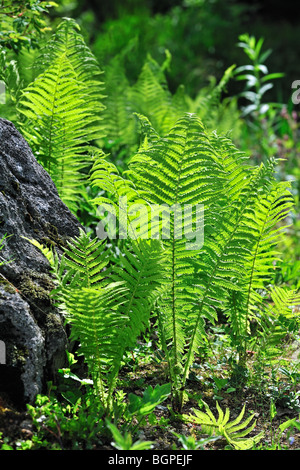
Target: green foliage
{"points": [[256, 85], [60, 111], [190, 442], [23, 22], [150, 97], [262, 119], [2, 241], [107, 311], [133, 412], [193, 228], [124, 442], [57, 423], [243, 208], [280, 319], [264, 226], [152, 397], [233, 431]]}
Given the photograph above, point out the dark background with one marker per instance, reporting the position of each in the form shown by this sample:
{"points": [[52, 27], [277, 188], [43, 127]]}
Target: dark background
{"points": [[201, 35]]}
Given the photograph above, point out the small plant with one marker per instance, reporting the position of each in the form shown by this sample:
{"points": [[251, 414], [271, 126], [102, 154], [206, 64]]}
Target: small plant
{"points": [[284, 430], [60, 425], [234, 432], [262, 118], [124, 441], [190, 442], [256, 75], [140, 407]]}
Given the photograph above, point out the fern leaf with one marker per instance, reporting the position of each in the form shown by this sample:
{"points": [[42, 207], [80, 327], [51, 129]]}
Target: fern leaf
{"points": [[60, 112], [221, 426]]}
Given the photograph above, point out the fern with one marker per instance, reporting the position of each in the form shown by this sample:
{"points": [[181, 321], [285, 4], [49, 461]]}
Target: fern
{"points": [[189, 166], [174, 173], [208, 104], [233, 431], [107, 306], [120, 125], [277, 315], [151, 97], [184, 168], [270, 210], [61, 111], [68, 40], [100, 328]]}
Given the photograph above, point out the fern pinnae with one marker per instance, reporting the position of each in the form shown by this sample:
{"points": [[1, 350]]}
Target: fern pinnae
{"points": [[169, 172], [271, 209], [60, 112], [215, 287]]}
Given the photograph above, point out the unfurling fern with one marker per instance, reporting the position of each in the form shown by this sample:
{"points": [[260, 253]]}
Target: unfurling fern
{"points": [[60, 112]]}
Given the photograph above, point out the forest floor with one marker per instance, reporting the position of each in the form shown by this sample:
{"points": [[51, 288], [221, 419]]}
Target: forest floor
{"points": [[16, 425]]}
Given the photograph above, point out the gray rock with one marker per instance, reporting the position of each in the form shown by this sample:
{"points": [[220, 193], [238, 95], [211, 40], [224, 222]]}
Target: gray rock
{"points": [[30, 325]]}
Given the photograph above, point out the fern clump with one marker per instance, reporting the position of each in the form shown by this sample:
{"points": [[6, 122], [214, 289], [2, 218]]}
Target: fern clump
{"points": [[107, 306], [221, 256]]}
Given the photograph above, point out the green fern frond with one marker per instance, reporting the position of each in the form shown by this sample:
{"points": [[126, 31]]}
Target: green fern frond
{"points": [[265, 224], [151, 97], [108, 304], [220, 268], [115, 310], [89, 258], [100, 327], [67, 40], [234, 431], [120, 125], [142, 271], [271, 210], [208, 103], [285, 301], [117, 197], [283, 306], [179, 169], [60, 112]]}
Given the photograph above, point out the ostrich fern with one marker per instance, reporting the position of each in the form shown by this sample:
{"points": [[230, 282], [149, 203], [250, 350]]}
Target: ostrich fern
{"points": [[107, 305], [60, 110], [243, 205]]}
